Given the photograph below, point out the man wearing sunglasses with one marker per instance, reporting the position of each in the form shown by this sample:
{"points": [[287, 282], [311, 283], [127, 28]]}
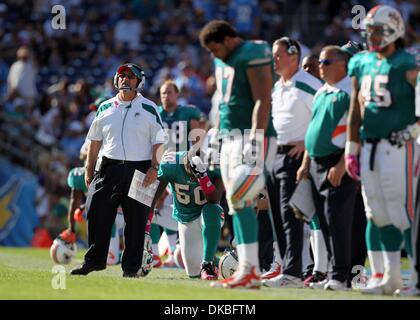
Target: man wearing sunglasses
{"points": [[325, 139], [129, 130]]}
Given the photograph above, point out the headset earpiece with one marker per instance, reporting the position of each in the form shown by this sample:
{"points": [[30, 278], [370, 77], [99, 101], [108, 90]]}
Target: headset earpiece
{"points": [[291, 48]]}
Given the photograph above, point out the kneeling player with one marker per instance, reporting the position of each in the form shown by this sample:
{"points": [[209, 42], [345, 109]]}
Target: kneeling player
{"points": [[196, 208]]}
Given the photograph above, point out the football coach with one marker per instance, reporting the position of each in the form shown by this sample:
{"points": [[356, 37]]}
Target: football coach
{"points": [[129, 130]]}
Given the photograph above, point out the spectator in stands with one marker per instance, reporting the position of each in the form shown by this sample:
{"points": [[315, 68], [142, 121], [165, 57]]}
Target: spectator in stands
{"points": [[191, 86], [311, 65], [21, 79], [244, 15], [4, 71], [128, 30]]}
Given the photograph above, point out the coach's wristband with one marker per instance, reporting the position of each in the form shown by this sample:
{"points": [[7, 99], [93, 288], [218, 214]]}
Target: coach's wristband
{"points": [[352, 148], [206, 185]]}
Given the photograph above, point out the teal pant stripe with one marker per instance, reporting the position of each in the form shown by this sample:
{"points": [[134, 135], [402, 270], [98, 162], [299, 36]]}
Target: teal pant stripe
{"points": [[314, 223], [372, 236]]}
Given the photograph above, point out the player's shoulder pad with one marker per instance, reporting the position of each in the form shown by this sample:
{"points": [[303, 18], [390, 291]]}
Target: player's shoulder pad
{"points": [[257, 53], [406, 58], [354, 63], [193, 110]]}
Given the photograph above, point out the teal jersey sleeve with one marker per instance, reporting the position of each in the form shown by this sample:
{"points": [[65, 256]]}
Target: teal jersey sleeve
{"points": [[76, 179], [194, 113]]}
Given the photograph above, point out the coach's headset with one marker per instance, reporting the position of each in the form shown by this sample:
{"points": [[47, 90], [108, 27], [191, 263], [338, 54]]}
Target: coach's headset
{"points": [[291, 48], [138, 72]]}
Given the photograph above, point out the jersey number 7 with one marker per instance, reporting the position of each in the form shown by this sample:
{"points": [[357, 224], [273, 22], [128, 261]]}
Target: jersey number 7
{"points": [[224, 82]]}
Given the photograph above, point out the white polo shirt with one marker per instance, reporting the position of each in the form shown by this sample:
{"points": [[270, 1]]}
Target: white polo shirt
{"points": [[128, 130], [292, 106]]}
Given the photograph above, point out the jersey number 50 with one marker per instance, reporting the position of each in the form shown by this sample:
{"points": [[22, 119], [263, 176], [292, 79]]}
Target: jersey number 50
{"points": [[185, 198], [381, 97]]}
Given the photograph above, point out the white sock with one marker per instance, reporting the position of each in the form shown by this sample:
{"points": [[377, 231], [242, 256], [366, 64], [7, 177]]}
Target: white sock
{"points": [[114, 249], [376, 261], [320, 252], [314, 248], [392, 264], [172, 242], [306, 257], [248, 254], [413, 273]]}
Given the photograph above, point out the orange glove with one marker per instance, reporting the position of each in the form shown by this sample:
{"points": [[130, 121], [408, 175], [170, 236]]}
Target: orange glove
{"points": [[68, 236]]}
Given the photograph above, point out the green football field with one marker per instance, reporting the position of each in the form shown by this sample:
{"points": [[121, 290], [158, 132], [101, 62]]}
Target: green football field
{"points": [[26, 273]]}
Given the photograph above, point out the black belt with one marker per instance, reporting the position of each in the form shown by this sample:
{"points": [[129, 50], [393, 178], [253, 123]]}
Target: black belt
{"points": [[106, 161], [285, 148], [374, 143], [333, 157]]}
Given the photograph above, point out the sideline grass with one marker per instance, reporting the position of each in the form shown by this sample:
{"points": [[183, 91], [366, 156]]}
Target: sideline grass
{"points": [[26, 273]]}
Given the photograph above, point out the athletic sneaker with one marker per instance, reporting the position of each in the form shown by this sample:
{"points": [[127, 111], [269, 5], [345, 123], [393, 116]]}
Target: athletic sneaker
{"points": [[318, 285], [336, 285], [407, 292], [208, 271], [375, 280], [314, 278], [384, 288], [244, 278], [275, 270], [284, 281]]}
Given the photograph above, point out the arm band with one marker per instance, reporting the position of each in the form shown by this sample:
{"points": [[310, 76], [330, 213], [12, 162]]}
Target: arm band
{"points": [[206, 185]]}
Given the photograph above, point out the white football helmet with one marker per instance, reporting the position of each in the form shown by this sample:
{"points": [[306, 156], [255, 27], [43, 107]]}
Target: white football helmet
{"points": [[246, 185], [228, 263], [62, 252], [384, 23], [138, 72]]}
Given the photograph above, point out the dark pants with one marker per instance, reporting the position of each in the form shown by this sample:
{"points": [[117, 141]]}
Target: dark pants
{"points": [[358, 240], [108, 190], [289, 230], [337, 206], [265, 240], [415, 229]]}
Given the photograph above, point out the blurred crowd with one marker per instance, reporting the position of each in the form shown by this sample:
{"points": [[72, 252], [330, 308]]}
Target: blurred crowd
{"points": [[49, 77]]}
